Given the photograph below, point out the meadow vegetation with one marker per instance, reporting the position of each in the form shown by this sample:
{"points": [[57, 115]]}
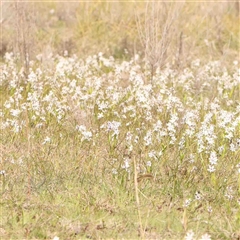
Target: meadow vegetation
{"points": [[103, 138]]}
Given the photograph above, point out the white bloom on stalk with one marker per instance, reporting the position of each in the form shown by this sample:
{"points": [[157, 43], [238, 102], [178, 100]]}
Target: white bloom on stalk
{"points": [[7, 104], [100, 115], [233, 148], [113, 127], [32, 78], [209, 209], [229, 193], [182, 143], [152, 154], [16, 125], [221, 149], [211, 168], [136, 139], [206, 135], [129, 137], [189, 235], [213, 158], [148, 116], [46, 140], [126, 164], [15, 112], [191, 158], [86, 135], [171, 127], [224, 118], [198, 196], [190, 119], [157, 126], [148, 138], [103, 105], [205, 237], [148, 163], [187, 202]]}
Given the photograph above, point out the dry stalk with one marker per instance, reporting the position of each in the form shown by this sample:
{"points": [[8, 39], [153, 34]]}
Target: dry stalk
{"points": [[137, 198], [24, 40], [180, 50]]}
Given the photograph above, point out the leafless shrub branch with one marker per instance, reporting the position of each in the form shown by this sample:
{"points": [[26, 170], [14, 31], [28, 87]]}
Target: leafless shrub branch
{"points": [[24, 40], [158, 31]]}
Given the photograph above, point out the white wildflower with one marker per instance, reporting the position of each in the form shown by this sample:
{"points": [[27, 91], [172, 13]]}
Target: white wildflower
{"points": [[209, 209], [148, 138], [46, 140], [86, 135], [191, 158], [198, 195], [190, 235], [213, 158], [114, 127], [15, 112], [211, 168], [152, 154], [52, 11], [126, 164], [149, 164], [205, 237], [233, 148], [187, 202]]}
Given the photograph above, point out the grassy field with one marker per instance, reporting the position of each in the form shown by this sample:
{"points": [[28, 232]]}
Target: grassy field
{"points": [[107, 141]]}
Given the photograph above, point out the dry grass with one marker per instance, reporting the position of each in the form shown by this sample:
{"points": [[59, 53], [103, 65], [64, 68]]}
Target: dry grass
{"points": [[188, 31]]}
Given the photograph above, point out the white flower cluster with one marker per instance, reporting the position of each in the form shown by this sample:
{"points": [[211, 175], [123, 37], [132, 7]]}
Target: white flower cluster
{"points": [[197, 108], [191, 236], [86, 135]]}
